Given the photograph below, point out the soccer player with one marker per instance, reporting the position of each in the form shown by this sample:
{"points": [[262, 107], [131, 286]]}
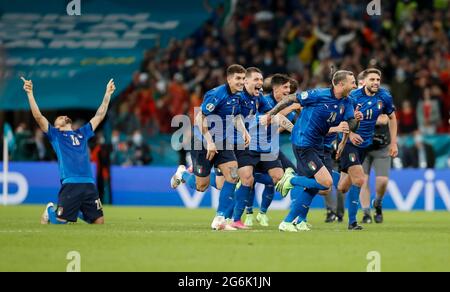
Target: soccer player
{"points": [[246, 158], [377, 157], [251, 160], [78, 197], [280, 87], [322, 109], [372, 101], [214, 125]]}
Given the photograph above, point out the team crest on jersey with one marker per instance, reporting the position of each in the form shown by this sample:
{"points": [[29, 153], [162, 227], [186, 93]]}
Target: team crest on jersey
{"points": [[210, 107], [304, 95], [352, 157], [312, 166], [380, 105], [342, 109], [199, 169], [60, 211]]}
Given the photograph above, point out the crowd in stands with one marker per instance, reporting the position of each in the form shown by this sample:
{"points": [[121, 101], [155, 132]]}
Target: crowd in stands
{"points": [[409, 42]]}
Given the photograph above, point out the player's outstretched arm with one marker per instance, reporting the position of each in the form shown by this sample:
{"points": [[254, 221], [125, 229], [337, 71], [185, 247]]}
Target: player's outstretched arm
{"points": [[40, 119], [103, 109], [284, 103]]}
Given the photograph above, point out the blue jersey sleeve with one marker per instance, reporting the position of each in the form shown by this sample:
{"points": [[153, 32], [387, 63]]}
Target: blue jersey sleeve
{"points": [[51, 133], [306, 98], [389, 107], [87, 131], [210, 102]]}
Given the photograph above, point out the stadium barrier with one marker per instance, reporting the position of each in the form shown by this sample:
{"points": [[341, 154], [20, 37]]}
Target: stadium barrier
{"points": [[37, 183]]}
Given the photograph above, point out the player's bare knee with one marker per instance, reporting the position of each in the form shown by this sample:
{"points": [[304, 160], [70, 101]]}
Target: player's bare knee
{"points": [[382, 183], [328, 183], [358, 181], [247, 180], [233, 176], [343, 188]]}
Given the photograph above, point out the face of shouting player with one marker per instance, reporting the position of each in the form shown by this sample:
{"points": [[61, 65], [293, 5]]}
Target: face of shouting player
{"points": [[63, 123], [254, 83]]}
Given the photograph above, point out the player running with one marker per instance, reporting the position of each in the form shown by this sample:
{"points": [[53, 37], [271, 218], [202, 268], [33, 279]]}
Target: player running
{"points": [[372, 102], [214, 126], [322, 109], [280, 87], [78, 197]]}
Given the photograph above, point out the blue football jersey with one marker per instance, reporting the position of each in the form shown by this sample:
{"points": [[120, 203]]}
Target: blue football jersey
{"points": [[220, 106], [71, 148], [321, 110], [248, 109], [371, 107], [261, 136]]}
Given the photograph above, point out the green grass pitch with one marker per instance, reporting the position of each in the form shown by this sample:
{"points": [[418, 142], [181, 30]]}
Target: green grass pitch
{"points": [[170, 239]]}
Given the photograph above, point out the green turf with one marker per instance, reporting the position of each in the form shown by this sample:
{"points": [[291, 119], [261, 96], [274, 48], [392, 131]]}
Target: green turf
{"points": [[157, 239]]}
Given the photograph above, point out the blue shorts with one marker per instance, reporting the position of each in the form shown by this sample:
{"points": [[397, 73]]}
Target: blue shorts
{"points": [[79, 197], [352, 155], [253, 158], [309, 160]]}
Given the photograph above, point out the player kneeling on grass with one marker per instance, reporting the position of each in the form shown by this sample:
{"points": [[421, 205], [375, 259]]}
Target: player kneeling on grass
{"points": [[78, 197]]}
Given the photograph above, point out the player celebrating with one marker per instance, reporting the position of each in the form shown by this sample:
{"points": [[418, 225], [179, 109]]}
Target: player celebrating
{"points": [[372, 102], [220, 108], [78, 196], [322, 108]]}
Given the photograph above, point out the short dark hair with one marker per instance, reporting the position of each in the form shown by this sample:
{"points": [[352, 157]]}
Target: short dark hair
{"points": [[341, 75], [279, 79], [235, 69], [366, 72], [294, 85], [252, 70]]}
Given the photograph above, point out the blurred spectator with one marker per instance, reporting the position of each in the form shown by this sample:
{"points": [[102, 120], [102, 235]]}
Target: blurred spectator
{"points": [[25, 147], [421, 155], [141, 152], [428, 114], [100, 155], [407, 122]]}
